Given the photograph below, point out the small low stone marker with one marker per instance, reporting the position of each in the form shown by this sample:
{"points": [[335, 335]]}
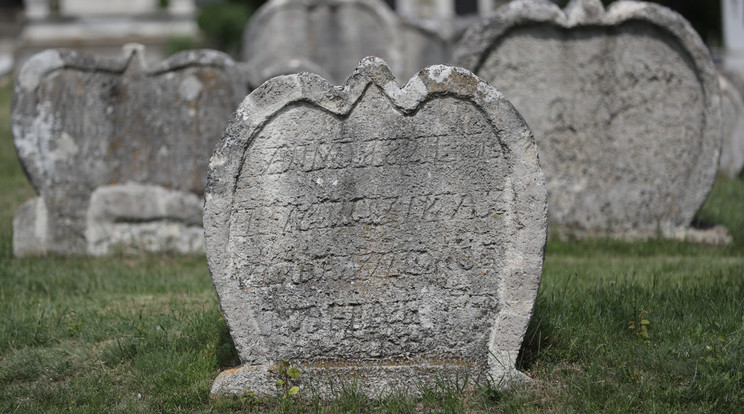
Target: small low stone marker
{"points": [[624, 104], [375, 235], [117, 151]]}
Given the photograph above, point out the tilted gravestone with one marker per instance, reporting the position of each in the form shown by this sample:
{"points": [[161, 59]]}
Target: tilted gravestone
{"points": [[327, 37], [118, 152], [624, 104], [373, 234], [732, 106]]}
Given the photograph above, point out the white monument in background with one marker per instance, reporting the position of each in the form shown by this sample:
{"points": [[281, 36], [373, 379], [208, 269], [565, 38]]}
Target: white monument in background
{"points": [[733, 34], [102, 27]]}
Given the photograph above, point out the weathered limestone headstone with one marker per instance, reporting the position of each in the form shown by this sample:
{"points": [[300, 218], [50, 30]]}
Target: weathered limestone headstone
{"points": [[371, 233], [624, 104], [327, 37], [117, 151], [732, 106]]}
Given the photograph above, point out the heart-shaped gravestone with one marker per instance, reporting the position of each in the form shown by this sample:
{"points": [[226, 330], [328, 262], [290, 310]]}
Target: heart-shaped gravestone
{"points": [[118, 152], [375, 234], [624, 105]]}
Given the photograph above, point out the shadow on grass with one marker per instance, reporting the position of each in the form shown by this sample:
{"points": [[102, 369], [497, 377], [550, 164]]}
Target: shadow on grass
{"points": [[227, 355], [537, 337]]}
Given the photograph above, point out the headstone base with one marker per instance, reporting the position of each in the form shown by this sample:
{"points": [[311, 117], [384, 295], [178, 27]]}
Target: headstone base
{"points": [[717, 235], [374, 379]]}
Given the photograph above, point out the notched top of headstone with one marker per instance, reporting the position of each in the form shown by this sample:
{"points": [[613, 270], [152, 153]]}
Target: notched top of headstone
{"points": [[95, 134], [372, 233], [624, 104], [325, 37]]}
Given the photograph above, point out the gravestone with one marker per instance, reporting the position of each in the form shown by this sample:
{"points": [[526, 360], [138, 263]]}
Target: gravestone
{"points": [[373, 234], [732, 107], [624, 104], [732, 13], [328, 37], [118, 151], [423, 46]]}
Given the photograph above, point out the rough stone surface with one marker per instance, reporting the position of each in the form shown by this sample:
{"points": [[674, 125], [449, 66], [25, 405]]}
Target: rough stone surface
{"points": [[732, 108], [624, 104], [374, 233], [143, 218], [327, 37], [117, 151]]}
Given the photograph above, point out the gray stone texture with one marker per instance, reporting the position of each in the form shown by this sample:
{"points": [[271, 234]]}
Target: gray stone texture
{"points": [[327, 37], [372, 233], [624, 104], [732, 108], [117, 151]]}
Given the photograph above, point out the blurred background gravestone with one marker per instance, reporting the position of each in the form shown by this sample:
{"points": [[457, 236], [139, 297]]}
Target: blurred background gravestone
{"points": [[431, 28], [327, 37], [624, 105], [383, 236], [733, 35], [117, 150], [449, 18], [732, 107]]}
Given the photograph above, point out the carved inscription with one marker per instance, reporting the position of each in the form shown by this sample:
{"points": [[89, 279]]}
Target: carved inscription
{"points": [[375, 153], [363, 211], [393, 212]]}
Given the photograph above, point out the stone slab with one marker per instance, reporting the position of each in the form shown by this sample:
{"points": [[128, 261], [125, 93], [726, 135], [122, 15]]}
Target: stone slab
{"points": [[732, 106], [733, 24], [329, 37], [372, 234], [85, 125], [624, 104], [732, 15]]}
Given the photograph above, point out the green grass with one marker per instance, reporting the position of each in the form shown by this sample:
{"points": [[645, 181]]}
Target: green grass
{"points": [[144, 334]]}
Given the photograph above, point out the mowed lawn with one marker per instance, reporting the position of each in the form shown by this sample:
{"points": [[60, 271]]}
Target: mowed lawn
{"points": [[656, 326]]}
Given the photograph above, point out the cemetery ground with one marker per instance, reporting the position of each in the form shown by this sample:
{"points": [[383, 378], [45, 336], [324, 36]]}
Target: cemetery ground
{"points": [[654, 326]]}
